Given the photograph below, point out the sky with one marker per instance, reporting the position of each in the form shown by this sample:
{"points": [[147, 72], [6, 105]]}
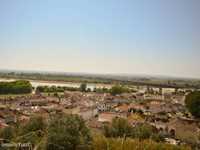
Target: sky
{"points": [[148, 37]]}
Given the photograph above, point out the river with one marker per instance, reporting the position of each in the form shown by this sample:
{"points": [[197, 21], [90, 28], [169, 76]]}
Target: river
{"points": [[36, 83]]}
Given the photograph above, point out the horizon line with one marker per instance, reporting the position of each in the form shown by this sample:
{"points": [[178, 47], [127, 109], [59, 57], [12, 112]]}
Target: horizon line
{"points": [[138, 75]]}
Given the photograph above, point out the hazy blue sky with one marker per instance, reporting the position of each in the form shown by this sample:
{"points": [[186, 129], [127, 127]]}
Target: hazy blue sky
{"points": [[156, 37]]}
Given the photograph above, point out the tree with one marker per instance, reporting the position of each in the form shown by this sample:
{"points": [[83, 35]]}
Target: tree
{"points": [[67, 132], [160, 91], [176, 91], [192, 102], [83, 87], [143, 131], [119, 128], [117, 89], [89, 90], [33, 131], [40, 89], [35, 123]]}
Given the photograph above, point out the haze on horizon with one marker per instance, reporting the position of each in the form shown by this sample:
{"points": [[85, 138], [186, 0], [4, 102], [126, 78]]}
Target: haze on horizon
{"points": [[157, 37]]}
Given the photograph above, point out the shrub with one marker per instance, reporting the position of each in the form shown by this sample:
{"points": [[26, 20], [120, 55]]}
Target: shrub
{"points": [[102, 143]]}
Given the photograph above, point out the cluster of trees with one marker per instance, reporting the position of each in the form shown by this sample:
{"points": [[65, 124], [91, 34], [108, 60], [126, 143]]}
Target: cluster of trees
{"points": [[117, 89], [114, 90], [54, 89], [101, 90], [69, 132], [192, 102], [121, 128], [59, 133], [15, 87]]}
